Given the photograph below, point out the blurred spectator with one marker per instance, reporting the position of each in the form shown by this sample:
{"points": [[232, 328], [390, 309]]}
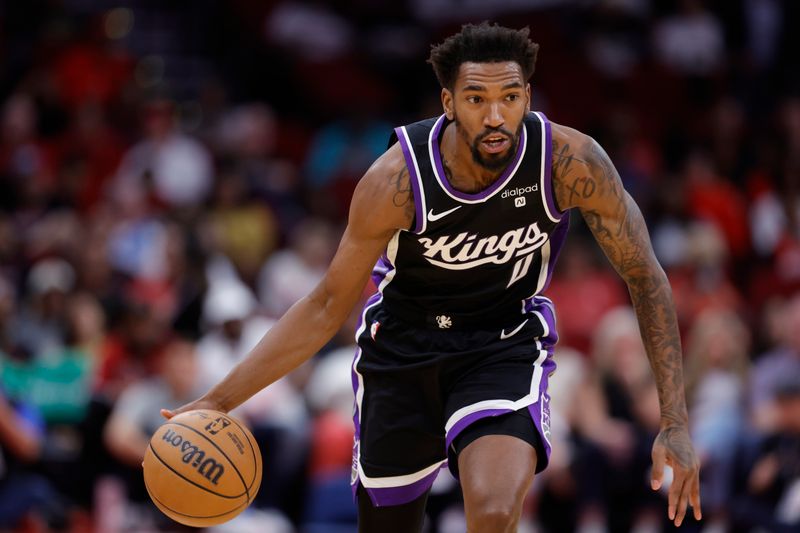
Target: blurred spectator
{"points": [[131, 350], [618, 419], [39, 327], [92, 69], [702, 282], [232, 329], [310, 30], [691, 41], [136, 414], [329, 393], [166, 168], [339, 155], [291, 274], [251, 173], [91, 152], [769, 470], [26, 499], [277, 414], [710, 197], [556, 493], [717, 355], [582, 292], [58, 381], [26, 163], [617, 38], [242, 227], [772, 369]]}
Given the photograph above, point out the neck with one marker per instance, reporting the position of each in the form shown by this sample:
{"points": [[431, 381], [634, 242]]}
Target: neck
{"points": [[463, 173]]}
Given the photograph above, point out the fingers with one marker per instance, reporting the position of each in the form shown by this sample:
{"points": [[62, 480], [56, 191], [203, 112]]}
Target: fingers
{"points": [[657, 475], [689, 493], [166, 413], [683, 502], [695, 497], [675, 491]]}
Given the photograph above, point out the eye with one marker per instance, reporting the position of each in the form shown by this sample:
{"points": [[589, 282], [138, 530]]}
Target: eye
{"points": [[474, 99], [512, 97]]}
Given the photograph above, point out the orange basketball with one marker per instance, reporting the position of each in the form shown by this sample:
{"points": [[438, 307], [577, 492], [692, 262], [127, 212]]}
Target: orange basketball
{"points": [[202, 468]]}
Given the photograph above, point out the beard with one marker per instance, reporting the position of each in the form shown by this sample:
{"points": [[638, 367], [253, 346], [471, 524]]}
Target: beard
{"points": [[491, 162]]}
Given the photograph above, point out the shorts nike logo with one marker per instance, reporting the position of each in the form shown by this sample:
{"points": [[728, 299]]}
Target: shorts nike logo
{"points": [[433, 217], [504, 335]]}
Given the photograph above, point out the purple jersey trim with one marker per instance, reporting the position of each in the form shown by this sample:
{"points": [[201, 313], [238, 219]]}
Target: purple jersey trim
{"points": [[501, 182], [557, 238], [537, 304], [386, 496], [471, 418], [414, 178], [547, 151]]}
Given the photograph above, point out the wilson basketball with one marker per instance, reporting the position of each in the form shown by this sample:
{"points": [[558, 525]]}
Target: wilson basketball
{"points": [[202, 468]]}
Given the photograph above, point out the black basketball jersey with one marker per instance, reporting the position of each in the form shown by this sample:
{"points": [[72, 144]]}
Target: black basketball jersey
{"points": [[473, 260]]}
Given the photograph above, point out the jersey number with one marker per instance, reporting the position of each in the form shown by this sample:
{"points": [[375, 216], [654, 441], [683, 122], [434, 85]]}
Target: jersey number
{"points": [[520, 269]]}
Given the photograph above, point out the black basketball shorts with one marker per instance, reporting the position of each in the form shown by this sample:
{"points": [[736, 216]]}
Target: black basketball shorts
{"points": [[417, 388]]}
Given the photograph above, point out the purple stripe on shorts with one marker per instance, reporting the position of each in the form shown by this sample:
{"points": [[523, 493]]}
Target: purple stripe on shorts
{"points": [[413, 178], [386, 496], [501, 181], [540, 412], [353, 375], [547, 153], [471, 418]]}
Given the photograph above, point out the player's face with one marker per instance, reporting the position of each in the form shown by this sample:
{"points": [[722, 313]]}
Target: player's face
{"points": [[488, 104]]}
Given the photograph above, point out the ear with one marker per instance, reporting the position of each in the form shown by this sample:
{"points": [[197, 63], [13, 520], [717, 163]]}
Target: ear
{"points": [[528, 95], [447, 103]]}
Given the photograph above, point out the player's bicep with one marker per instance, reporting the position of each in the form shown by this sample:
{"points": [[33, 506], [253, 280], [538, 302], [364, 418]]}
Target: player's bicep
{"points": [[382, 204]]}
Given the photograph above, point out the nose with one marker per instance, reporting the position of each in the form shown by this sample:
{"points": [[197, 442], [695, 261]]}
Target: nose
{"points": [[493, 118]]}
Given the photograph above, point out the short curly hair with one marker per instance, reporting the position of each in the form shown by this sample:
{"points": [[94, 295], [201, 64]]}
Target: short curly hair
{"points": [[482, 43]]}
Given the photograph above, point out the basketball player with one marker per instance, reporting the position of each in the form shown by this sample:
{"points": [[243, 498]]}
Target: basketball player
{"points": [[460, 223]]}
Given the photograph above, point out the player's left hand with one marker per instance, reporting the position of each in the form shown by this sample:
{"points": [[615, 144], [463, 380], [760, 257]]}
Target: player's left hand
{"points": [[673, 447]]}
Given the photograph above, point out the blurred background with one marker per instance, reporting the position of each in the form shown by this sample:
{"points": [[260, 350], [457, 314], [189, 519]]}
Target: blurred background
{"points": [[174, 175]]}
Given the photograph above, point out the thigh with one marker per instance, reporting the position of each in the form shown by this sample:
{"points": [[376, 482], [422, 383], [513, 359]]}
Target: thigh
{"points": [[496, 473]]}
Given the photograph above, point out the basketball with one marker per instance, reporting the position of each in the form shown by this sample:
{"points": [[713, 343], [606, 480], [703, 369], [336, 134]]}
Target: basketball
{"points": [[202, 468]]}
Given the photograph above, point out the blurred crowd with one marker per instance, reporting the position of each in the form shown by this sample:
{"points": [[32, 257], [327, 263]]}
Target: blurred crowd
{"points": [[175, 175]]}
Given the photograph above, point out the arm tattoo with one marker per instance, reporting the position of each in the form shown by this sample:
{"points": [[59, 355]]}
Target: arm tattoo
{"points": [[574, 187], [620, 230], [403, 194]]}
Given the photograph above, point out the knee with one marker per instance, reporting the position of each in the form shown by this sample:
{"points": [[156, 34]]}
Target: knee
{"points": [[493, 514]]}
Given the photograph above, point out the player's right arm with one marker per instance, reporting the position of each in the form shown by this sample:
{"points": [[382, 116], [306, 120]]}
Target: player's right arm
{"points": [[382, 204]]}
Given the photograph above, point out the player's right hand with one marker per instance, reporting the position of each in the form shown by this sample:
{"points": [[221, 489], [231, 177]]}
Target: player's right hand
{"points": [[201, 403]]}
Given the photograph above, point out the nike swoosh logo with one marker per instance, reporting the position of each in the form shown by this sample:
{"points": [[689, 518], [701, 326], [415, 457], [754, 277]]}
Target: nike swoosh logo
{"points": [[433, 217], [504, 335]]}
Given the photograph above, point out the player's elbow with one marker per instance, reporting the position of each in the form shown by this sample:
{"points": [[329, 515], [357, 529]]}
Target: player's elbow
{"points": [[330, 310]]}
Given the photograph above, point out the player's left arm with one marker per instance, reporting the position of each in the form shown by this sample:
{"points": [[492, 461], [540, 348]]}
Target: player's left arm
{"points": [[585, 178]]}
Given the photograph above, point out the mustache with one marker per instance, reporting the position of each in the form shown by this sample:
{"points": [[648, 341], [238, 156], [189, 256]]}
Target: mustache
{"points": [[491, 131]]}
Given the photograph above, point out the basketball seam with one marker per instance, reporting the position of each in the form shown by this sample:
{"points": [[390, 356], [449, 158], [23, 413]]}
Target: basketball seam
{"points": [[155, 499], [214, 444], [163, 462], [252, 450]]}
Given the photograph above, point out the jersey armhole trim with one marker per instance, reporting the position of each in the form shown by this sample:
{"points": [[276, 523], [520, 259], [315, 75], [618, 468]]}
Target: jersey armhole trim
{"points": [[553, 213], [420, 221]]}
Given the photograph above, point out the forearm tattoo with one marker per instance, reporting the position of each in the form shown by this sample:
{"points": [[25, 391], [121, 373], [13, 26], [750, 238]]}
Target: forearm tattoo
{"points": [[586, 178]]}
